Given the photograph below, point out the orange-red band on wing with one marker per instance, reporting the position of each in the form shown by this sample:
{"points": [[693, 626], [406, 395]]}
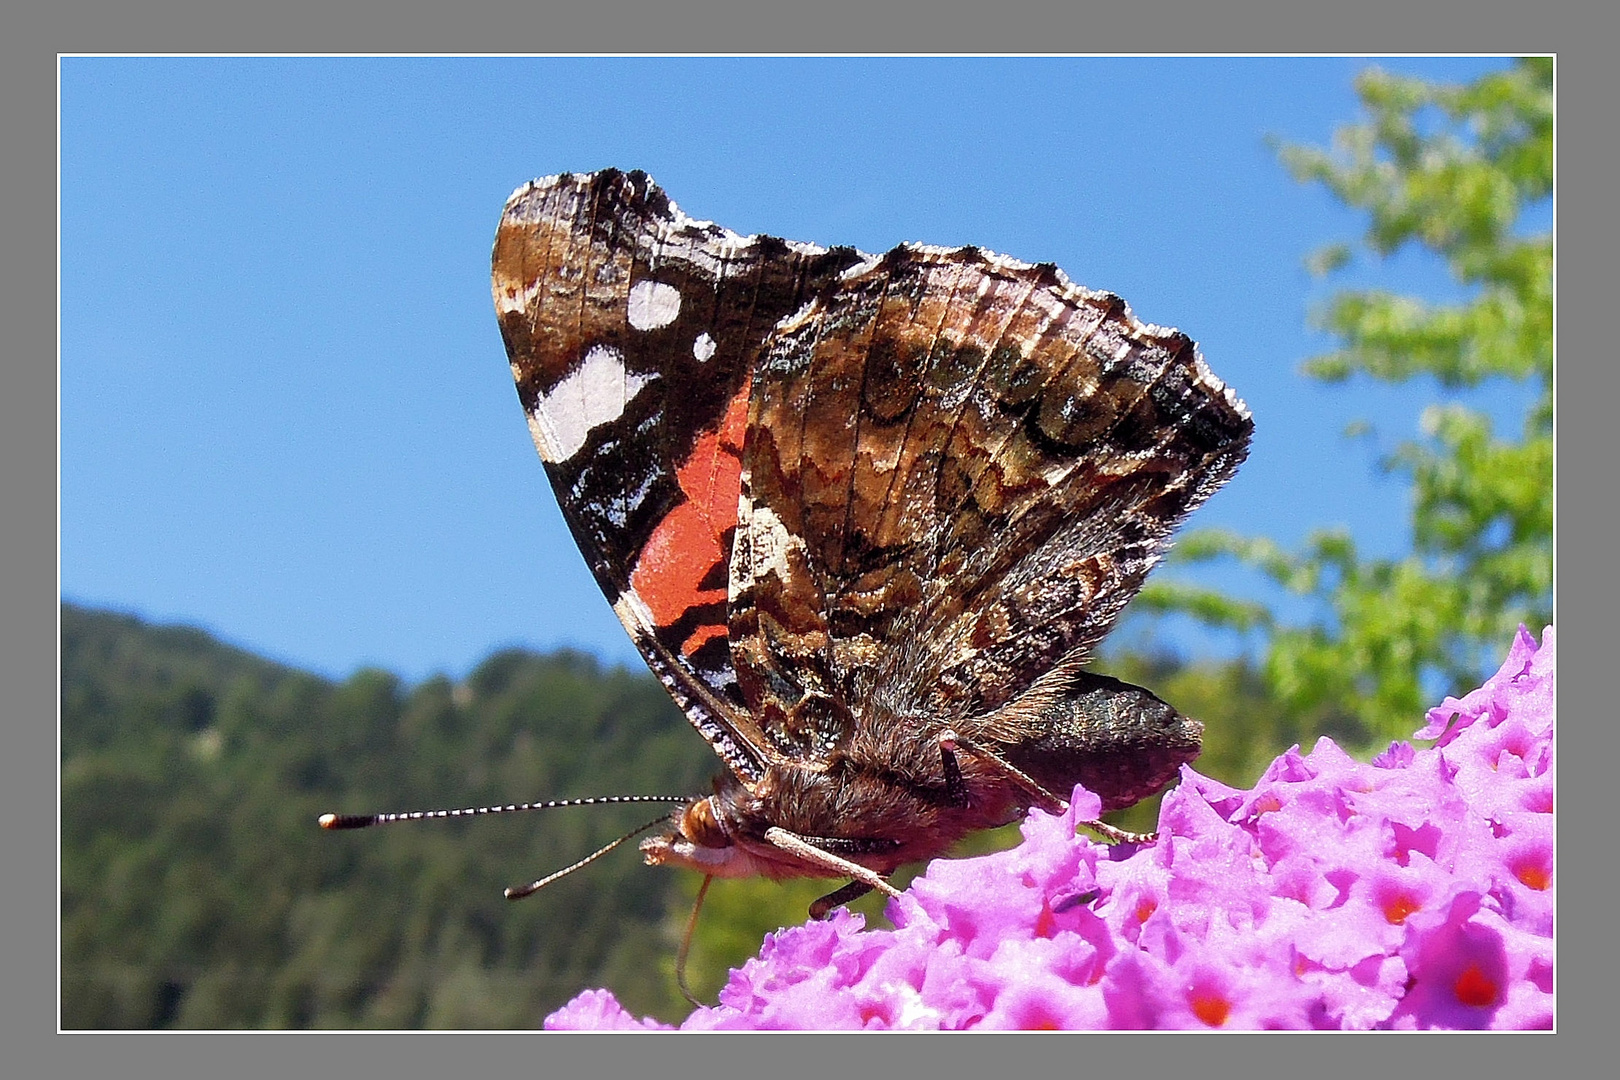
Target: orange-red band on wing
{"points": [[690, 544]]}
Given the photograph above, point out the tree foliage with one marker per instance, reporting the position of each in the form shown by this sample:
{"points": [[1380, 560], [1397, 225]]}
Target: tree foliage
{"points": [[1450, 169], [197, 891]]}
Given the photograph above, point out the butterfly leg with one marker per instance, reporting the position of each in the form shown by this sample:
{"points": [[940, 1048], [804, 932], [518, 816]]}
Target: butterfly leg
{"points": [[950, 742], [794, 844], [955, 787], [853, 891], [1118, 836]]}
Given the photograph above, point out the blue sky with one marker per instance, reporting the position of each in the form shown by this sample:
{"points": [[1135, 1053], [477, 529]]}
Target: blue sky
{"points": [[286, 414]]}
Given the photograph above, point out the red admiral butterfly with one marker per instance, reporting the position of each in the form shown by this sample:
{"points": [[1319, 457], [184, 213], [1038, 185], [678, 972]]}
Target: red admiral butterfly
{"points": [[864, 516]]}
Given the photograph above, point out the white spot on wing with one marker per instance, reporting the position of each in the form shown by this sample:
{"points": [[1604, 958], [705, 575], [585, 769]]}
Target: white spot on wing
{"points": [[653, 304], [770, 543], [593, 394], [704, 346]]}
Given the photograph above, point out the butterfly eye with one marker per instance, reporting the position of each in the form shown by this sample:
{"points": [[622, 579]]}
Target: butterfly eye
{"points": [[702, 826]]}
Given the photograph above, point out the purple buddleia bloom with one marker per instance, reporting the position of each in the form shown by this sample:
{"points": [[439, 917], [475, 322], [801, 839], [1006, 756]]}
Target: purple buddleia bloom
{"points": [[598, 1010], [1415, 892]]}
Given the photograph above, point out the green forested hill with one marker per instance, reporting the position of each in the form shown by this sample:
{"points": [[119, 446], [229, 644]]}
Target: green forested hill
{"points": [[197, 890]]}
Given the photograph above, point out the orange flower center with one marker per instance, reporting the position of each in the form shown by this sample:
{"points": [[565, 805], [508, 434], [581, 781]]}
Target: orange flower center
{"points": [[1211, 1008], [1397, 908], [1474, 987], [1535, 876]]}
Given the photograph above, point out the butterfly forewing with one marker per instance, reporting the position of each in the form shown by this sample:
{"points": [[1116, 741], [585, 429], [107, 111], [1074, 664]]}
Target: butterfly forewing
{"points": [[632, 331]]}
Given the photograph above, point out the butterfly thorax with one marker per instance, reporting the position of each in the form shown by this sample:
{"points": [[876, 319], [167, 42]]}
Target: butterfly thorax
{"points": [[880, 812]]}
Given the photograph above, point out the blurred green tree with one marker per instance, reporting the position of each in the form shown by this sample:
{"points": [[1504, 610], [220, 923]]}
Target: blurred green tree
{"points": [[196, 891], [1451, 169]]}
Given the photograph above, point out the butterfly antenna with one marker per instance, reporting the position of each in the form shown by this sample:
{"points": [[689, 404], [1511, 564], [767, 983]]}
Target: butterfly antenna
{"points": [[362, 821], [518, 892], [686, 943]]}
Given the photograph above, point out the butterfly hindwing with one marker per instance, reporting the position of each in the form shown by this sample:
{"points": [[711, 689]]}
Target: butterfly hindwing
{"points": [[959, 468]]}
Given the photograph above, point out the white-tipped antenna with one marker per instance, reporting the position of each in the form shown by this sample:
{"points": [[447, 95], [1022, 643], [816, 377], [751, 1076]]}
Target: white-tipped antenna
{"points": [[517, 892], [362, 821]]}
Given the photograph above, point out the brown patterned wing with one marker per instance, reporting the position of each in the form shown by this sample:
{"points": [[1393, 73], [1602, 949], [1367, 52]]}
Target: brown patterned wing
{"points": [[632, 331], [959, 468]]}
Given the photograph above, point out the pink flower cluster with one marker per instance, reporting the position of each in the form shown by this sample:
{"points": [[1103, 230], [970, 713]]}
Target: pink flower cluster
{"points": [[1412, 892]]}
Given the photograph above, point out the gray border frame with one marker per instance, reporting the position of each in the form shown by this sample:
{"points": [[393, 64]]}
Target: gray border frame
{"points": [[27, 649]]}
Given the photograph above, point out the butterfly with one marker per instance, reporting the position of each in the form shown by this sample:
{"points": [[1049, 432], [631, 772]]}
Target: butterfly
{"points": [[864, 516]]}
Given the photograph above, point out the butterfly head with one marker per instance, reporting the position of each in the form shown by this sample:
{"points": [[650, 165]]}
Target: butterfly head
{"points": [[700, 839]]}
